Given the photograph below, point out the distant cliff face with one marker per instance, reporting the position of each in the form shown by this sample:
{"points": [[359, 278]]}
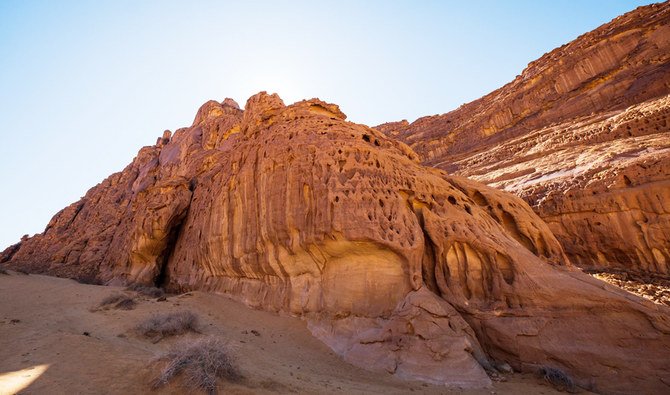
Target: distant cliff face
{"points": [[562, 136], [398, 267], [601, 183]]}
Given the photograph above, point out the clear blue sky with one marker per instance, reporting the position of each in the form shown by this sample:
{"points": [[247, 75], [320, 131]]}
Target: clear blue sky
{"points": [[85, 84]]}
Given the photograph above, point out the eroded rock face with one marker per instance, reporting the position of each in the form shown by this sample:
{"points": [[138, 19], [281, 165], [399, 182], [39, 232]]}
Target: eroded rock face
{"points": [[424, 339], [602, 184], [582, 135], [397, 266]]}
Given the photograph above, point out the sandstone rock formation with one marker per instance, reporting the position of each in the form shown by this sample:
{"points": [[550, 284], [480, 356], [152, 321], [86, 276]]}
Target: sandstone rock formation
{"points": [[398, 267], [583, 136], [601, 184]]}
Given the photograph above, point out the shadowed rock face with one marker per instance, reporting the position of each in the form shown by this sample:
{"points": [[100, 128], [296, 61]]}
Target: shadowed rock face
{"points": [[582, 135], [398, 267]]}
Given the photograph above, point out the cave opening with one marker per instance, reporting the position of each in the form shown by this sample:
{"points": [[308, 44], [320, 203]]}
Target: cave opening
{"points": [[162, 277]]}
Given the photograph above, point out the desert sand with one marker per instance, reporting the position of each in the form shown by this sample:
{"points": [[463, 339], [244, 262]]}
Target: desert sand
{"points": [[372, 241], [44, 348]]}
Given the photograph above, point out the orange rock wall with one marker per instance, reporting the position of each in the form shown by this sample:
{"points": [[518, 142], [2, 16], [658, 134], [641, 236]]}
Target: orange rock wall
{"points": [[398, 267], [582, 135]]}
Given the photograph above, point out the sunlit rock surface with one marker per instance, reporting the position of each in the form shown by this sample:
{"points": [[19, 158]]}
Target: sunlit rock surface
{"points": [[583, 135], [398, 267]]}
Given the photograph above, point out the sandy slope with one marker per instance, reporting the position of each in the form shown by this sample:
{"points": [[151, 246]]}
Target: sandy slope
{"points": [[42, 342]]}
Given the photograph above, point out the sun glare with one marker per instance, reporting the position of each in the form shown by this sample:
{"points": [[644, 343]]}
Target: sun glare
{"points": [[14, 382], [280, 81]]}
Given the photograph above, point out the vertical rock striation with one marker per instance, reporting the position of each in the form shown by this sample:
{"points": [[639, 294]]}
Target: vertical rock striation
{"points": [[582, 135], [398, 267]]}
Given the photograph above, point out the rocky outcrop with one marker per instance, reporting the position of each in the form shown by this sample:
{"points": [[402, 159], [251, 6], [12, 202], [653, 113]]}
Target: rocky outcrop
{"points": [[397, 266], [582, 136], [601, 183]]}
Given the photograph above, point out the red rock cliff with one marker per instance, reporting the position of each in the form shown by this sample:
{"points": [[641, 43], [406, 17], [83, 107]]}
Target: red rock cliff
{"points": [[398, 267], [581, 135]]}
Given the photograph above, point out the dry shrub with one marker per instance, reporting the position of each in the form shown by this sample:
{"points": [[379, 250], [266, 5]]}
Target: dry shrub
{"points": [[3, 271], [118, 301], [201, 363], [144, 290], [558, 379], [164, 325]]}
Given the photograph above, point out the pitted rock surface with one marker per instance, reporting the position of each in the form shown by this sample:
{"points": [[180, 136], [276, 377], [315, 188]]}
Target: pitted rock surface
{"points": [[583, 135], [397, 266]]}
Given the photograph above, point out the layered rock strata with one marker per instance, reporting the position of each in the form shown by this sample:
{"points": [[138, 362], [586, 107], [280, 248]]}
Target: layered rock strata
{"points": [[602, 184], [397, 266], [582, 135]]}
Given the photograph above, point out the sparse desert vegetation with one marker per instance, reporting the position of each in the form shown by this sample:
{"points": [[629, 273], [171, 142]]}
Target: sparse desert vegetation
{"points": [[201, 362], [435, 256], [558, 379], [117, 301], [92, 351], [160, 326], [144, 290]]}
